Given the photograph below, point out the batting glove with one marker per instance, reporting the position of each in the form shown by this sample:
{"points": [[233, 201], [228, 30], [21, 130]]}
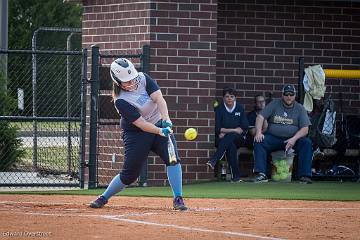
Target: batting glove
{"points": [[167, 123], [165, 132]]}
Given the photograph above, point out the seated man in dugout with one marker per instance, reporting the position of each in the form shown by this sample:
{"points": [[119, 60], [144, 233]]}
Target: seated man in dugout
{"points": [[230, 130], [259, 101], [288, 126]]}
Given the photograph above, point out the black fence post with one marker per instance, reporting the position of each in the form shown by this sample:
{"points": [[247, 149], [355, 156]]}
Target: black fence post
{"points": [[145, 67], [145, 59], [93, 116], [300, 83], [83, 118]]}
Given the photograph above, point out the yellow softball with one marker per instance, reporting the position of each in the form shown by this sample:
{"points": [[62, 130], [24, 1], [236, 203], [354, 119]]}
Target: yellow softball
{"points": [[190, 134]]}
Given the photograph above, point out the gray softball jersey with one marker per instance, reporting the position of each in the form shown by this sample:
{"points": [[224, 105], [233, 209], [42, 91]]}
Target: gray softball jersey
{"points": [[133, 104]]}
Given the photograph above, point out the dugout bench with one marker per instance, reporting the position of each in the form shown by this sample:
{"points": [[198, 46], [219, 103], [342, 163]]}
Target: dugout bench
{"points": [[330, 155]]}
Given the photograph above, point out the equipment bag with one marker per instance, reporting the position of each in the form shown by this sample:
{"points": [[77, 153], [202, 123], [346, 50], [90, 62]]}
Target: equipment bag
{"points": [[323, 129]]}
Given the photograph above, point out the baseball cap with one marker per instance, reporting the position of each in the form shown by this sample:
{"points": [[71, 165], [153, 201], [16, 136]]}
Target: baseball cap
{"points": [[289, 89]]}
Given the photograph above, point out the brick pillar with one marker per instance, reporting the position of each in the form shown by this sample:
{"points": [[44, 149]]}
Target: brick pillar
{"points": [[183, 59], [182, 38]]}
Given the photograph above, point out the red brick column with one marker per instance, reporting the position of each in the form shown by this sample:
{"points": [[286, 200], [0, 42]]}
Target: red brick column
{"points": [[182, 38]]}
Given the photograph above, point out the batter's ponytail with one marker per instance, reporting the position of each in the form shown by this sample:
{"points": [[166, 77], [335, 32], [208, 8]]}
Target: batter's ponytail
{"points": [[115, 91]]}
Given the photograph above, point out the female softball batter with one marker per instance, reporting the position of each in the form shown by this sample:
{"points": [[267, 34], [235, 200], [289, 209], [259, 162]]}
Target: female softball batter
{"points": [[146, 127]]}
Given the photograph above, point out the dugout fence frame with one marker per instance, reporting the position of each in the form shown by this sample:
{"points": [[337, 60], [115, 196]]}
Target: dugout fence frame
{"points": [[103, 114], [75, 171]]}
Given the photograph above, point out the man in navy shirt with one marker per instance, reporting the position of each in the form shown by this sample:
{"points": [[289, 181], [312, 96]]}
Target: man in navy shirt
{"points": [[231, 125]]}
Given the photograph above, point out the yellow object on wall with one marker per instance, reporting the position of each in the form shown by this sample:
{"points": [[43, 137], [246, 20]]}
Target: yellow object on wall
{"points": [[190, 134], [336, 73]]}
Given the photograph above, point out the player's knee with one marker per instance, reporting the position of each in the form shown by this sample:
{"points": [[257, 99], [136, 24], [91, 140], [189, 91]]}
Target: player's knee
{"points": [[167, 163], [128, 179]]}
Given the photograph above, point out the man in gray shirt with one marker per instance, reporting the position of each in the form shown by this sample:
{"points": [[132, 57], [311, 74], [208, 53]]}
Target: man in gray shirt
{"points": [[288, 127]]}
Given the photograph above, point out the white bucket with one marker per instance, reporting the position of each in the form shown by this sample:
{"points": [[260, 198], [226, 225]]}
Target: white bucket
{"points": [[281, 166]]}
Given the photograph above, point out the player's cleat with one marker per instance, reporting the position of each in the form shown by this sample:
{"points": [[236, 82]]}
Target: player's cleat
{"points": [[210, 164], [260, 178], [305, 180], [179, 204], [99, 202]]}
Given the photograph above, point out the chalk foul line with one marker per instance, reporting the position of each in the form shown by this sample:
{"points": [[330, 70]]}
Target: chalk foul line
{"points": [[191, 228], [124, 218]]}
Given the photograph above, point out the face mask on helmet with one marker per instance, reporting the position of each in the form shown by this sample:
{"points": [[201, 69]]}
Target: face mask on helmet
{"points": [[131, 85], [123, 71]]}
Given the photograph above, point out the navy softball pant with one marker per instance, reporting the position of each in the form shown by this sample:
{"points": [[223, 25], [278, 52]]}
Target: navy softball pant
{"points": [[137, 145]]}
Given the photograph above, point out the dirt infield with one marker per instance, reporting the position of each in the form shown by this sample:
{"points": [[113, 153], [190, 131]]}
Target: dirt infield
{"points": [[69, 217]]}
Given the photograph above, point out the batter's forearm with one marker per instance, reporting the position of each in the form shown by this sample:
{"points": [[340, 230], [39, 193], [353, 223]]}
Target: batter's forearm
{"points": [[163, 109], [146, 126], [158, 98]]}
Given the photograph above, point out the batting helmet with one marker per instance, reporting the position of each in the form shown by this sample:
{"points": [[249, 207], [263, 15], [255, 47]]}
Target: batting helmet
{"points": [[122, 70]]}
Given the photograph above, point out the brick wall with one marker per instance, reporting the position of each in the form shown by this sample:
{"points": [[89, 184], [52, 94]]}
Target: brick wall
{"points": [[182, 38], [200, 46], [183, 60], [260, 42], [117, 27]]}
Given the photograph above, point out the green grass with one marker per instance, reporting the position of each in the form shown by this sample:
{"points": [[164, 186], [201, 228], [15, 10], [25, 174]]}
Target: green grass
{"points": [[332, 191], [51, 157]]}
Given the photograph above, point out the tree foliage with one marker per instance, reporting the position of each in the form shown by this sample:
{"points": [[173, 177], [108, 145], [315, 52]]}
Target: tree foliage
{"points": [[25, 16], [10, 144]]}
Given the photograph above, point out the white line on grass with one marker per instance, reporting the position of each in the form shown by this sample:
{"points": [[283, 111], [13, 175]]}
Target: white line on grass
{"points": [[40, 203], [191, 228], [192, 209], [112, 205], [89, 215], [124, 219], [208, 209], [302, 209]]}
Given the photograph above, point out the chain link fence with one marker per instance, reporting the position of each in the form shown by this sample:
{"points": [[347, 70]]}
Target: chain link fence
{"points": [[105, 143], [40, 117]]}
